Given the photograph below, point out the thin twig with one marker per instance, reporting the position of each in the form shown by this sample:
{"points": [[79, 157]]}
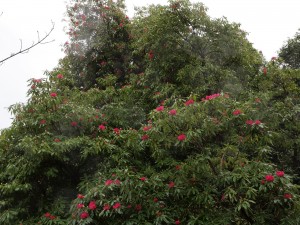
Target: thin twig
{"points": [[21, 51]]}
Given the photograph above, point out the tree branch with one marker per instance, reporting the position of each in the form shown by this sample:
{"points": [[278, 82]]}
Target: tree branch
{"points": [[22, 51]]}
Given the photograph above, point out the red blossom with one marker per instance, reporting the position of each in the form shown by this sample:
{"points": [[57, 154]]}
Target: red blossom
{"points": [[257, 122], [60, 76], [263, 182], [178, 167], [155, 199], [42, 122], [80, 205], [102, 127], [53, 94], [171, 184], [80, 196], [146, 128], [279, 173], [249, 122], [57, 140], [92, 205], [108, 182], [145, 137], [150, 55], [52, 217], [177, 222], [181, 137], [138, 207], [84, 215], [143, 178], [172, 112], [106, 207], [210, 97], [189, 102], [47, 215], [117, 205], [287, 196], [160, 108], [265, 70], [269, 178], [117, 131], [74, 124], [37, 80], [117, 182], [237, 112]]}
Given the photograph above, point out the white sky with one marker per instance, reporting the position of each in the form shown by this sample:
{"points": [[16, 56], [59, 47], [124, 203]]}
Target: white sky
{"points": [[268, 22]]}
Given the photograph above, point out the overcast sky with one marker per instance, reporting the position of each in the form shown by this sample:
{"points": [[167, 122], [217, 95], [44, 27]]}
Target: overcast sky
{"points": [[268, 22]]}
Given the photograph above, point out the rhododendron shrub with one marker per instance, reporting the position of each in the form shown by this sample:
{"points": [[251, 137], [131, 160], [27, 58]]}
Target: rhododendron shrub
{"points": [[135, 127]]}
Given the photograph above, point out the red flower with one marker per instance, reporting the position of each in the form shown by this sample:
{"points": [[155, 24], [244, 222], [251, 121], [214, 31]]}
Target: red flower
{"points": [[178, 167], [33, 87], [47, 214], [172, 112], [210, 97], [265, 70], [56, 140], [60, 76], [287, 196], [92, 205], [155, 199], [73, 124], [80, 196], [263, 182], [42, 122], [52, 217], [273, 58], [117, 131], [146, 128], [129, 206], [177, 222], [138, 207], [108, 182], [37, 80], [80, 205], [257, 100], [145, 137], [279, 173], [181, 137], [151, 55], [143, 178], [189, 102], [269, 178], [84, 215], [257, 122], [237, 112], [53, 94], [160, 108], [171, 184], [117, 182], [106, 207], [249, 122], [102, 127], [117, 205]]}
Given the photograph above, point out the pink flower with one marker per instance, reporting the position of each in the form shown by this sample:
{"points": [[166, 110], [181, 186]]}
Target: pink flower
{"points": [[117, 131], [80, 205], [279, 173], [249, 122], [80, 196], [52, 217], [257, 122], [143, 178], [117, 205], [210, 97], [42, 122], [172, 112], [102, 127], [181, 137], [146, 128], [287, 196], [171, 184], [177, 222], [106, 207], [84, 215], [189, 102], [47, 215], [145, 137], [37, 80], [237, 112], [92, 205], [138, 207], [53, 94], [117, 182], [269, 178], [108, 182], [160, 108], [73, 124], [60, 76]]}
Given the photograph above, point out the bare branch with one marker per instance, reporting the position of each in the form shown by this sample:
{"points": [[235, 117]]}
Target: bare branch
{"points": [[22, 51]]}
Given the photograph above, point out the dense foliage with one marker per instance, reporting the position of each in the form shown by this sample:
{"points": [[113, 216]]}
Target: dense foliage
{"points": [[170, 117]]}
